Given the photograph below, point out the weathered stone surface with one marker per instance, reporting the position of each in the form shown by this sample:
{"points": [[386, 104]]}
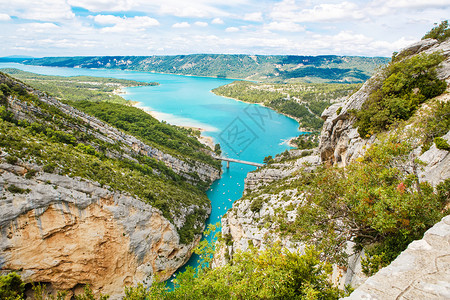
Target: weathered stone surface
{"points": [[277, 171], [422, 271], [437, 162], [67, 232], [339, 140]]}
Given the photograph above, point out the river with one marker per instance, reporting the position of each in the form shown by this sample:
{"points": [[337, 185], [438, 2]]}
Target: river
{"points": [[247, 132]]}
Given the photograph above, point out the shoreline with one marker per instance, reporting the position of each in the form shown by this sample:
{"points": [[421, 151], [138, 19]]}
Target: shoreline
{"points": [[205, 140], [262, 104]]}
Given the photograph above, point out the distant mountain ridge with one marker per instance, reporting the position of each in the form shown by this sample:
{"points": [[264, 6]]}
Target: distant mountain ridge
{"points": [[269, 68]]}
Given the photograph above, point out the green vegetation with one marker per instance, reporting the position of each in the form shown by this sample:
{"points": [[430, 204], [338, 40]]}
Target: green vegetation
{"points": [[404, 86], [66, 146], [441, 144], [435, 124], [171, 139], [376, 201], [305, 102], [17, 190], [11, 287], [217, 149], [77, 88], [440, 32], [280, 68], [270, 274]]}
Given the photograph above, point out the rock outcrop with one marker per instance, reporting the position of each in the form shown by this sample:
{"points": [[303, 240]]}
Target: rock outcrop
{"points": [[279, 170], [69, 232], [422, 271], [340, 142], [437, 164]]}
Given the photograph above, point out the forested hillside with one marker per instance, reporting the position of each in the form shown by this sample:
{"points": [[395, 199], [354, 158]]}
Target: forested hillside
{"points": [[303, 101], [276, 68]]}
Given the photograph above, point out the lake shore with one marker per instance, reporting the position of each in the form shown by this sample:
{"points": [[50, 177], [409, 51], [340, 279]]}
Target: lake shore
{"points": [[305, 130], [204, 139]]}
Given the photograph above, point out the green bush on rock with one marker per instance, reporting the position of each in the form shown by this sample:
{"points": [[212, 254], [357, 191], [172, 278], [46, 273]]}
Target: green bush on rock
{"points": [[269, 274], [406, 85], [441, 144]]}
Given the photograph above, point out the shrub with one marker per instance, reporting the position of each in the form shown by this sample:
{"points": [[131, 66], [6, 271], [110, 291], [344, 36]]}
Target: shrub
{"points": [[49, 168], [11, 287], [274, 273], [441, 32], [405, 86], [12, 159], [30, 174], [338, 111], [441, 144], [17, 190], [256, 205]]}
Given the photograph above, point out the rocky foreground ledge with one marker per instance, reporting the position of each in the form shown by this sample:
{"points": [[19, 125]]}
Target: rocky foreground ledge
{"points": [[422, 271]]}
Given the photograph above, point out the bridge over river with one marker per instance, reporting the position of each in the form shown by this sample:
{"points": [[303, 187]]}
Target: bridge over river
{"points": [[228, 160]]}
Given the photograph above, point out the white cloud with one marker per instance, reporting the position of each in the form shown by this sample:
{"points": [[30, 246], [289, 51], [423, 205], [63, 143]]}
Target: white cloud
{"points": [[415, 3], [37, 27], [108, 19], [284, 26], [255, 17], [4, 17], [217, 21], [125, 24], [201, 24], [319, 13], [49, 10], [103, 5], [181, 25], [232, 29]]}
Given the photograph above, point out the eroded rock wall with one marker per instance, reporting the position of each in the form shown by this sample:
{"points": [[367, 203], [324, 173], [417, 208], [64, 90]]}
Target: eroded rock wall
{"points": [[340, 142], [422, 271], [66, 232]]}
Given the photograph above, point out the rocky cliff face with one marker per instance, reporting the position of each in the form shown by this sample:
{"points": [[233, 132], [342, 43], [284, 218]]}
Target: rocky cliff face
{"points": [[279, 169], [130, 144], [422, 271], [340, 144], [69, 232]]}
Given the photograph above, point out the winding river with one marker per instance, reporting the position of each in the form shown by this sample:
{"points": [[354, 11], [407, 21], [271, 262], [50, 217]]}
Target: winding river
{"points": [[247, 132]]}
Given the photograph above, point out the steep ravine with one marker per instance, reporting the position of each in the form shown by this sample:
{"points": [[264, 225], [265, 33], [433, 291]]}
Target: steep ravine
{"points": [[252, 220], [66, 231]]}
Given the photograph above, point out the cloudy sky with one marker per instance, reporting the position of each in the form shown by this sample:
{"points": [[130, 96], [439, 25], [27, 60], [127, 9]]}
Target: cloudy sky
{"points": [[164, 27]]}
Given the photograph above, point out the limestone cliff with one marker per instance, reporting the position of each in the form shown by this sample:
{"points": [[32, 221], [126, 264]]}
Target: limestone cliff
{"points": [[340, 142], [270, 196], [66, 230], [422, 271]]}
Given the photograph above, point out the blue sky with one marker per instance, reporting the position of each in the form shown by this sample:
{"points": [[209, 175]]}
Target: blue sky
{"points": [[166, 27]]}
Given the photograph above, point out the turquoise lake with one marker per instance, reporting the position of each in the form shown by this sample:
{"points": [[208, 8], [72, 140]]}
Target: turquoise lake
{"points": [[245, 131]]}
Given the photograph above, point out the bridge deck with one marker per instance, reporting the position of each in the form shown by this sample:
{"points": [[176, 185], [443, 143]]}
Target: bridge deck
{"points": [[239, 161]]}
